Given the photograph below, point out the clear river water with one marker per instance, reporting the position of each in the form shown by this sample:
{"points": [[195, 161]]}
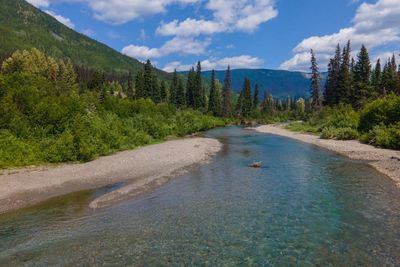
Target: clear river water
{"points": [[304, 207]]}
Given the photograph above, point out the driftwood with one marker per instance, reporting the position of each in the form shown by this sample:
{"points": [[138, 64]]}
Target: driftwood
{"points": [[256, 164]]}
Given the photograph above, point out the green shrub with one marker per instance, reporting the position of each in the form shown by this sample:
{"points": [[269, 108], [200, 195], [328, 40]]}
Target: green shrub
{"points": [[384, 136], [384, 111], [339, 133]]}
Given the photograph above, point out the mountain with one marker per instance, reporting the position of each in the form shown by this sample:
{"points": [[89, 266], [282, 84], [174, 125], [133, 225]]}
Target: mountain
{"points": [[279, 83], [22, 26]]}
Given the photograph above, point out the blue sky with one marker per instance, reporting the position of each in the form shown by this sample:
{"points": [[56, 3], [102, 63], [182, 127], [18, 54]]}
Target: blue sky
{"points": [[275, 34]]}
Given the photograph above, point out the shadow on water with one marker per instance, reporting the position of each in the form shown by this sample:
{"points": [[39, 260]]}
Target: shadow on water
{"points": [[306, 206]]}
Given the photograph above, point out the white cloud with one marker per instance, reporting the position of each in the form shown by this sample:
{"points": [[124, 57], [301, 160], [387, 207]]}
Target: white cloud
{"points": [[66, 21], [228, 16], [119, 12], [237, 62], [89, 32], [187, 46], [39, 3], [374, 25]]}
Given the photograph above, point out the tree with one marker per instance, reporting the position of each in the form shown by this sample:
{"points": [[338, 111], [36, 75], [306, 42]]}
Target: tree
{"points": [[300, 105], [214, 104], [343, 92], [239, 105], [376, 79], [163, 92], [362, 75], [155, 93], [190, 88], [173, 88], [139, 85], [198, 91], [148, 81], [247, 105], [227, 106], [268, 106], [256, 97], [315, 83], [180, 95], [333, 78], [130, 91]]}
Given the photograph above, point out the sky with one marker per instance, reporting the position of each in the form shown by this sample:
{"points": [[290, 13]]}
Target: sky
{"points": [[274, 34]]}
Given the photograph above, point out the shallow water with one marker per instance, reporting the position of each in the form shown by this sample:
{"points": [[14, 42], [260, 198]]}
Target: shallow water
{"points": [[306, 206]]}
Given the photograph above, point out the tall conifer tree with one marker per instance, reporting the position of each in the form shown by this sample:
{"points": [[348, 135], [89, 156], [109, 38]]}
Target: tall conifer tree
{"points": [[227, 106], [362, 76], [315, 83]]}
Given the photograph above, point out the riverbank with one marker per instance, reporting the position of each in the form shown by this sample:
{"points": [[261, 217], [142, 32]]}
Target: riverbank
{"points": [[384, 160], [142, 169]]}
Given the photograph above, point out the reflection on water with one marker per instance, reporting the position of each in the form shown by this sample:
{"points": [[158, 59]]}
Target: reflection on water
{"points": [[306, 206]]}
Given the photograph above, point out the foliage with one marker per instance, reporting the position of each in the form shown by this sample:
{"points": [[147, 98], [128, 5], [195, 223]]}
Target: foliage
{"points": [[384, 136], [43, 118]]}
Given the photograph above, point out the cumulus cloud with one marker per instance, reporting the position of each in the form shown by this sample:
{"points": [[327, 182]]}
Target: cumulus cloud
{"points": [[39, 3], [237, 62], [187, 46], [118, 11], [374, 25], [66, 21], [244, 15]]}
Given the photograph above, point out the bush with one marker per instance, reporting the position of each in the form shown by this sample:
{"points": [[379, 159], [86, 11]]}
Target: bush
{"points": [[339, 133], [384, 111], [384, 136]]}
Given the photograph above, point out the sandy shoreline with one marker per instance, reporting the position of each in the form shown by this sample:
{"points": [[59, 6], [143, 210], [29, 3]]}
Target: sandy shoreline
{"points": [[142, 168], [384, 160]]}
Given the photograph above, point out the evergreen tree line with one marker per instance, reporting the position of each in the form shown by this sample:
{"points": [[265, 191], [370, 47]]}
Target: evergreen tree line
{"points": [[354, 81]]}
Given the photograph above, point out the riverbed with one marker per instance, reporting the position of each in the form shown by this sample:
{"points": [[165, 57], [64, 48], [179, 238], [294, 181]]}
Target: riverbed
{"points": [[305, 206]]}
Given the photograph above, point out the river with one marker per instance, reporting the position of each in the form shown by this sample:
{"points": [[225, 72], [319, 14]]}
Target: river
{"points": [[305, 206]]}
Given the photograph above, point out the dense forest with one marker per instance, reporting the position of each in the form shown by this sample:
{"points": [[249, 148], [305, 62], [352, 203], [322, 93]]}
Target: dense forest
{"points": [[52, 111], [359, 101]]}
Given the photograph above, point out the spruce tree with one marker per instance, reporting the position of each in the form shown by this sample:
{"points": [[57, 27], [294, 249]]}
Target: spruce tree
{"points": [[139, 85], [148, 80], [198, 91], [330, 96], [190, 88], [386, 79], [173, 88], [214, 101], [376, 79], [239, 105], [130, 90], [343, 92], [256, 97], [315, 83], [247, 105], [227, 108], [362, 76], [163, 92], [155, 93], [180, 95]]}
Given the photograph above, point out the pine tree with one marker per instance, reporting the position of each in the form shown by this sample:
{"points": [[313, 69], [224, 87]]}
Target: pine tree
{"points": [[386, 79], [333, 78], [214, 104], [267, 106], [247, 105], [239, 105], [180, 95], [344, 79], [362, 76], [256, 97], [148, 80], [190, 88], [198, 90], [174, 88], [155, 93], [163, 92], [315, 83], [376, 79], [139, 85], [227, 108], [130, 91]]}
